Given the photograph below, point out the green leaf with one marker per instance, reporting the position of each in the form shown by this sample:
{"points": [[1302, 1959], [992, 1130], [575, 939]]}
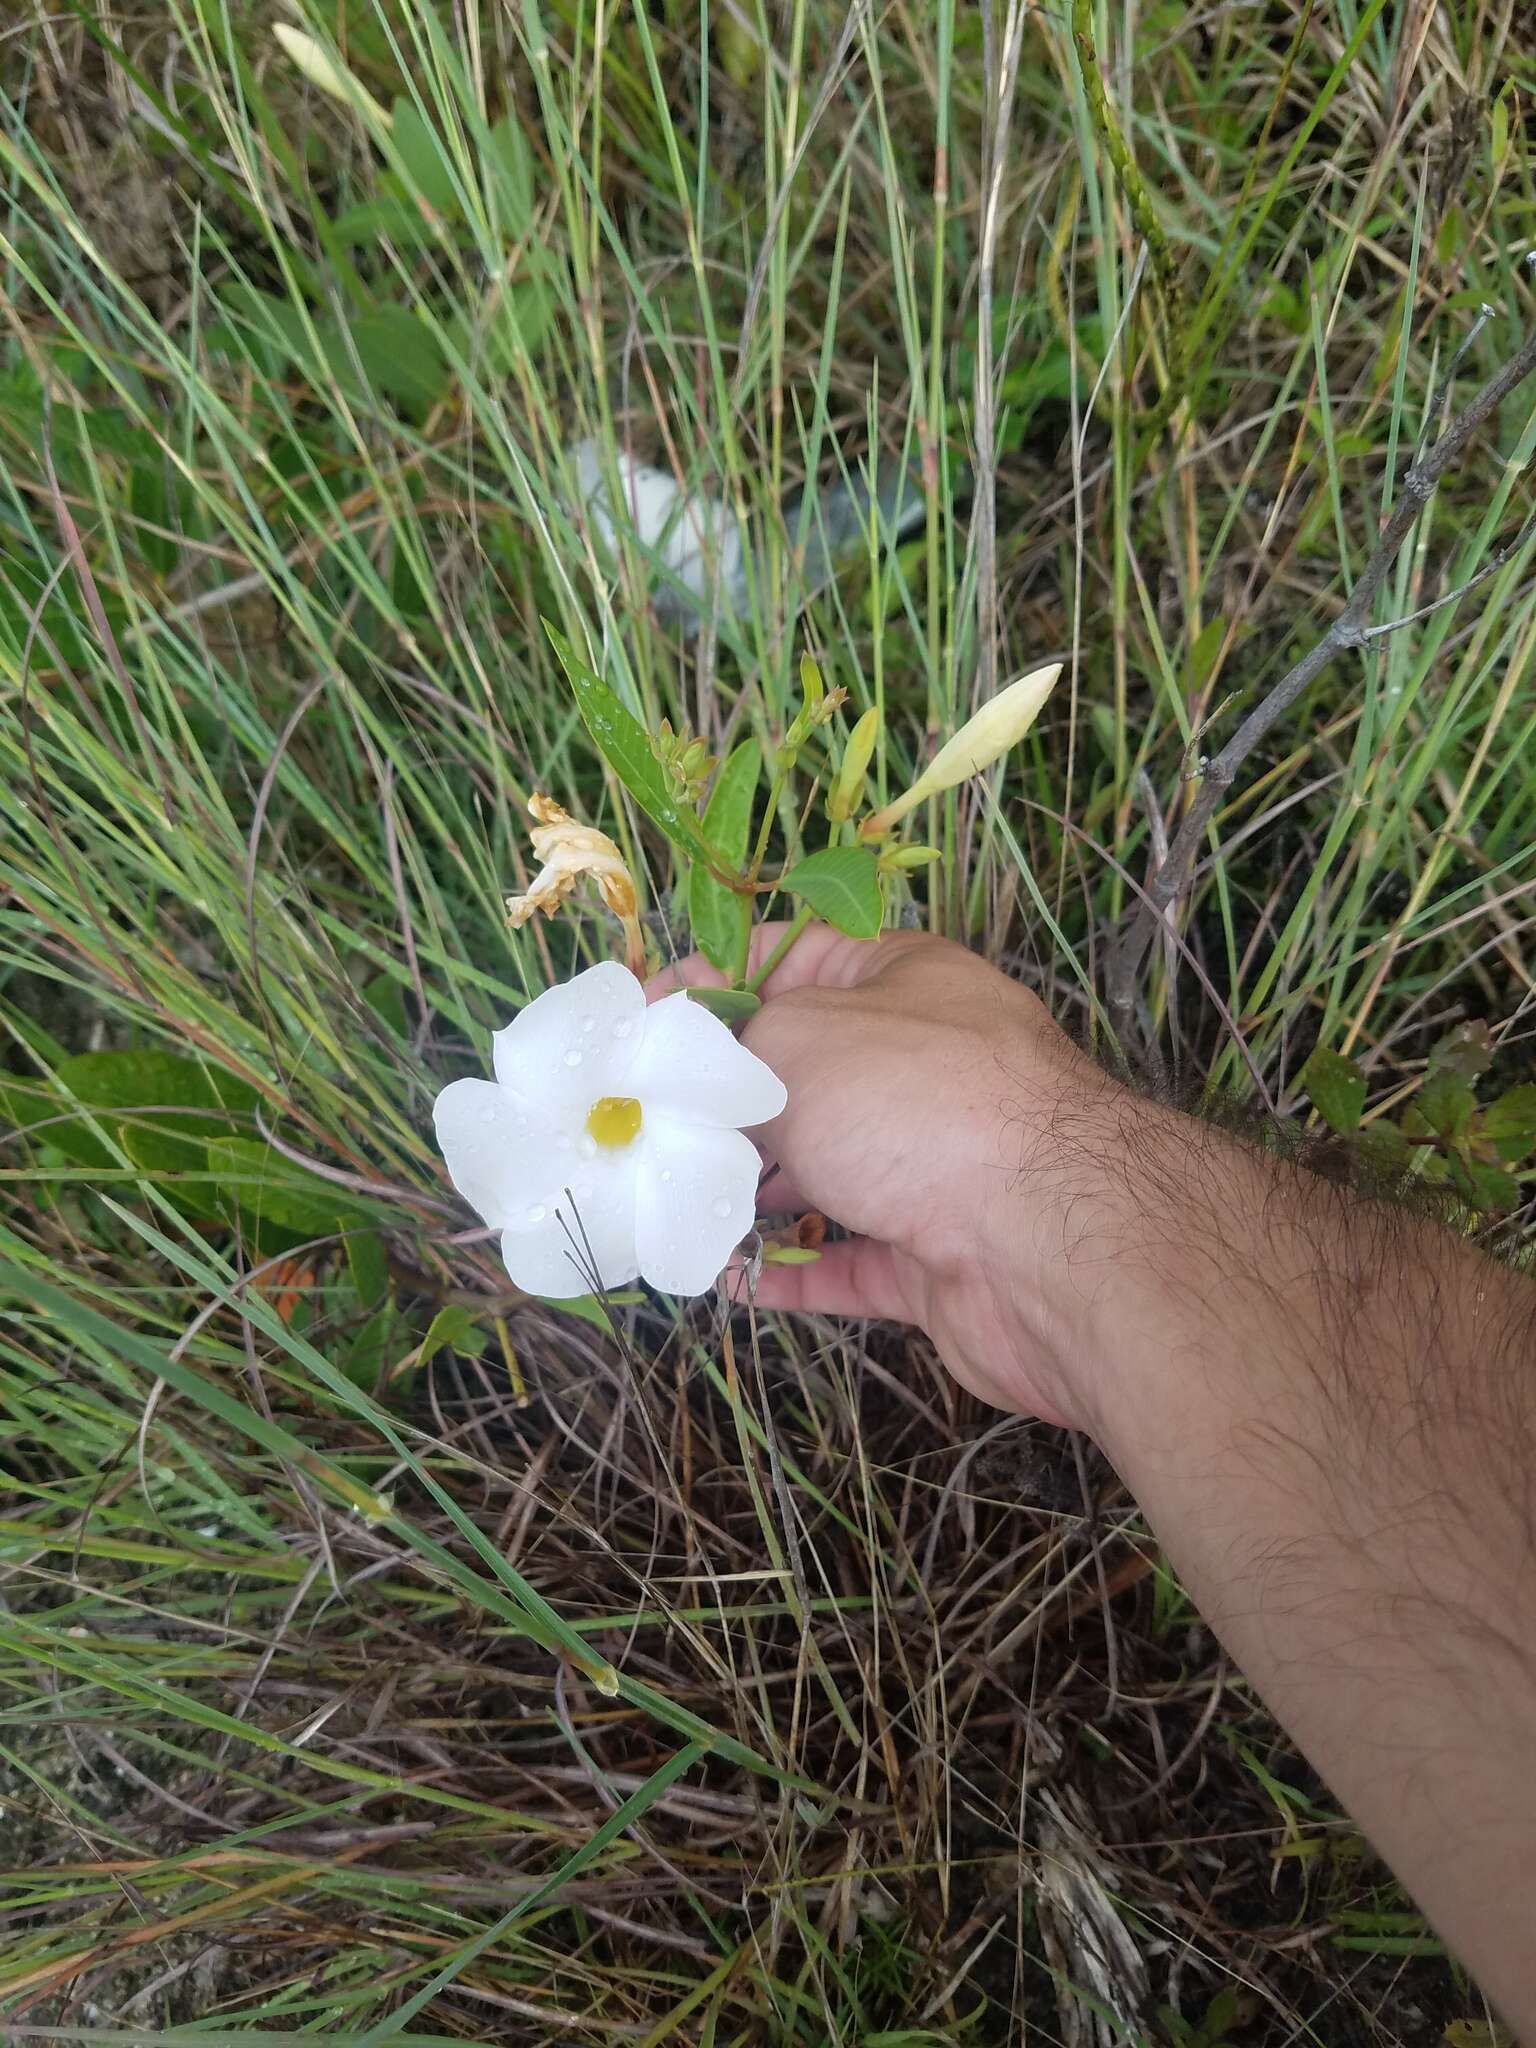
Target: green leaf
{"points": [[398, 354], [421, 155], [385, 996], [1510, 1121], [455, 1329], [510, 174], [368, 1264], [1468, 1051], [366, 1359], [1485, 1187], [160, 1106], [620, 739], [27, 1105], [392, 219], [730, 1005], [1384, 1147], [494, 336], [842, 885], [586, 1306], [1446, 1102], [151, 506], [1202, 655], [1337, 1088], [271, 1190], [721, 917]]}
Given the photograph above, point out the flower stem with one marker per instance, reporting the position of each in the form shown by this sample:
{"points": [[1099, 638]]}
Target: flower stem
{"points": [[792, 931]]}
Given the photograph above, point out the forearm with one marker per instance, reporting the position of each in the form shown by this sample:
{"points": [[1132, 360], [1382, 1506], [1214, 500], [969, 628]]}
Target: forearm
{"points": [[1325, 1408]]}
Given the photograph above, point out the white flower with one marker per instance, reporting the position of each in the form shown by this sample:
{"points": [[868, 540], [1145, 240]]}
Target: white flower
{"points": [[609, 1145]]}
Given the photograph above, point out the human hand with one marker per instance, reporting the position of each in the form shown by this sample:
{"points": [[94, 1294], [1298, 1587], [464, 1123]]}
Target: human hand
{"points": [[934, 1112]]}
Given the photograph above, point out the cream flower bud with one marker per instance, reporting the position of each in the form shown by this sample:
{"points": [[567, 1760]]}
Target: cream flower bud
{"points": [[983, 739], [327, 75]]}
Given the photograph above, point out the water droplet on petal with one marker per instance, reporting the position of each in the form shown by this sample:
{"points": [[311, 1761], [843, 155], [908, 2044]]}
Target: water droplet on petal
{"points": [[487, 1116], [589, 1023], [537, 1213], [720, 1206], [623, 1028], [666, 1173], [573, 1057]]}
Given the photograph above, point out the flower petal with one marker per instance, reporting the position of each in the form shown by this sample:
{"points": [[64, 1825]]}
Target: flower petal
{"points": [[582, 1238], [692, 1068], [500, 1153], [697, 1191], [576, 1042]]}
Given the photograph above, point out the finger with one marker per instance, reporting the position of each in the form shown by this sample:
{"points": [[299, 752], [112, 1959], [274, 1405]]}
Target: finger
{"points": [[693, 971], [779, 1195], [820, 958], [857, 1277]]}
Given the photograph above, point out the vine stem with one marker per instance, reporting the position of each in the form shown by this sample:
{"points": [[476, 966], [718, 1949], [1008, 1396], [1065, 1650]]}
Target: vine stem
{"points": [[792, 931]]}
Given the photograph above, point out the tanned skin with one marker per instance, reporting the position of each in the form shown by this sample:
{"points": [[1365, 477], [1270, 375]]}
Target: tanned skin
{"points": [[1325, 1404]]}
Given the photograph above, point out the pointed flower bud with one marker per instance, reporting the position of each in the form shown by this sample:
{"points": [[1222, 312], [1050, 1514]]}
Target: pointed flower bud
{"points": [[848, 790], [983, 739], [323, 72]]}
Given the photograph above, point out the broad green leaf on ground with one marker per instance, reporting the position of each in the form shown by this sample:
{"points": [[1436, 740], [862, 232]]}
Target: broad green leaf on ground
{"points": [[421, 154], [267, 1187], [1446, 1102], [368, 1263], [1485, 1187], [720, 917], [398, 354], [1510, 1121], [842, 885], [509, 174], [384, 350], [1337, 1088], [1468, 1050], [455, 1328], [160, 1106]]}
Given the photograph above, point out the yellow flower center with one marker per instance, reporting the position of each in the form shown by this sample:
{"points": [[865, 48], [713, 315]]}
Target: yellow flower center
{"points": [[614, 1121]]}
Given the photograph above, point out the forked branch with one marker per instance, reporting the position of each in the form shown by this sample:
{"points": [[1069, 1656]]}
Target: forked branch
{"points": [[1350, 629]]}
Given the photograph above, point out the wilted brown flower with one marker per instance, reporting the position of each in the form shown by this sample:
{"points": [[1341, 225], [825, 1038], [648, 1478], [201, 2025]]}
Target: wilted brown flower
{"points": [[569, 851]]}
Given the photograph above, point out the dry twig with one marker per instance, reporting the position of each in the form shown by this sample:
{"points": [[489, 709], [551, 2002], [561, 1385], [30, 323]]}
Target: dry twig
{"points": [[1171, 876]]}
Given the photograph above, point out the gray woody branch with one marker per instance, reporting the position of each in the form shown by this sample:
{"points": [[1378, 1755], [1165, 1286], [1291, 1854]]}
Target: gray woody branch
{"points": [[1349, 629]]}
